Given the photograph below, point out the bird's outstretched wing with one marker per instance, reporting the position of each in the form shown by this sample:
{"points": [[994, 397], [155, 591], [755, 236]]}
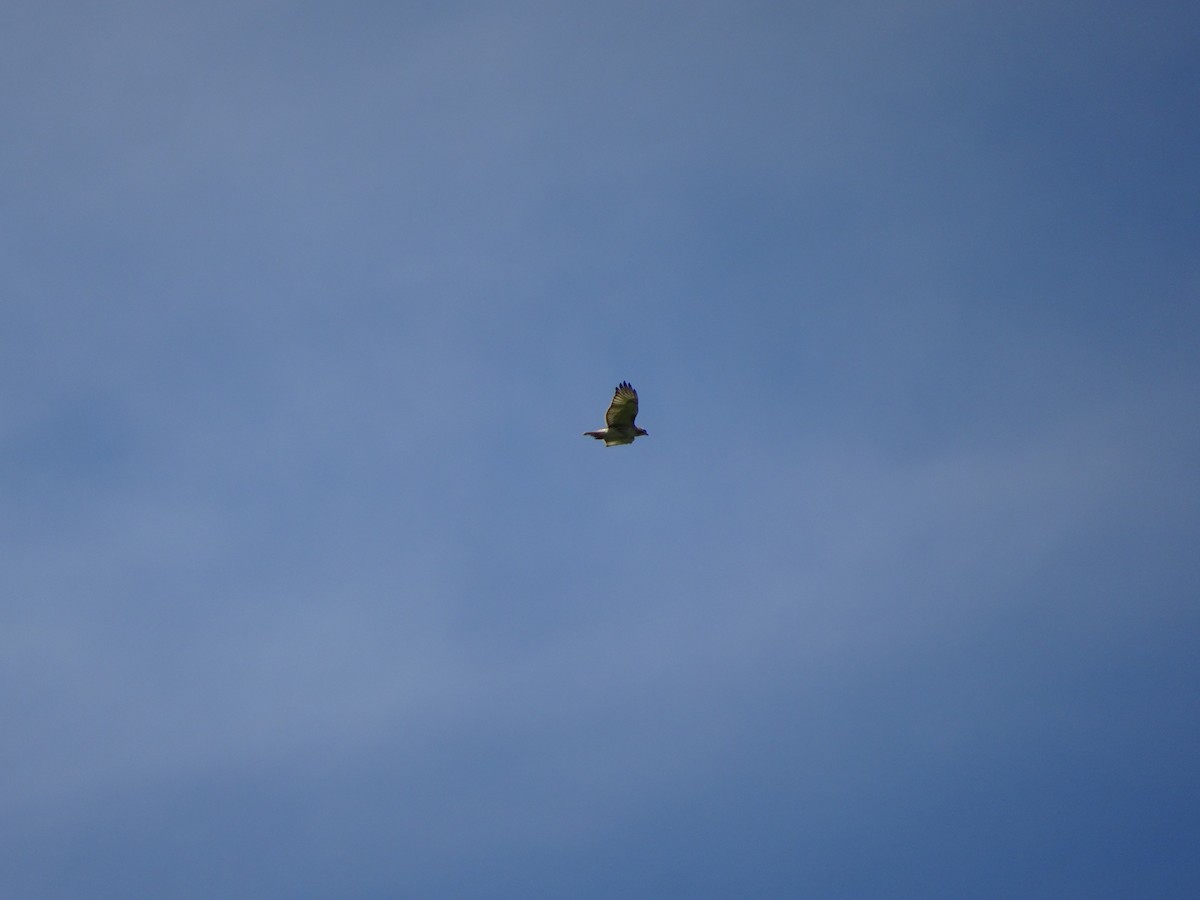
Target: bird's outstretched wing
{"points": [[624, 407]]}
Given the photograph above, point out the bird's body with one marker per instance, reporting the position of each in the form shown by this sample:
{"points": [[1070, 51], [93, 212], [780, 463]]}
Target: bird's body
{"points": [[619, 418]]}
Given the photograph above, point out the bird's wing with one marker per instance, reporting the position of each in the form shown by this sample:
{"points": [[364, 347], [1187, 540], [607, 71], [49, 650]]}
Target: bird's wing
{"points": [[624, 407]]}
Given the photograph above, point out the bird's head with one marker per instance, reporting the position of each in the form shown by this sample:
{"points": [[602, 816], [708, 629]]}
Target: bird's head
{"points": [[641, 432]]}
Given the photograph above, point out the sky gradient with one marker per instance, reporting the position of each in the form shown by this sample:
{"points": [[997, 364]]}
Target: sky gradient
{"points": [[310, 584]]}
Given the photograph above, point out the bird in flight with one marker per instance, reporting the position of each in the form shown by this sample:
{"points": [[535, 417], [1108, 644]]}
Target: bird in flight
{"points": [[619, 418]]}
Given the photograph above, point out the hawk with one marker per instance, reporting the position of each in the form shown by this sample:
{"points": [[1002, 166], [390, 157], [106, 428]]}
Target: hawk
{"points": [[619, 418]]}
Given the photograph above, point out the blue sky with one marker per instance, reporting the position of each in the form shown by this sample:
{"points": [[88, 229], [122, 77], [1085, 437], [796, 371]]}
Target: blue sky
{"points": [[311, 585]]}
